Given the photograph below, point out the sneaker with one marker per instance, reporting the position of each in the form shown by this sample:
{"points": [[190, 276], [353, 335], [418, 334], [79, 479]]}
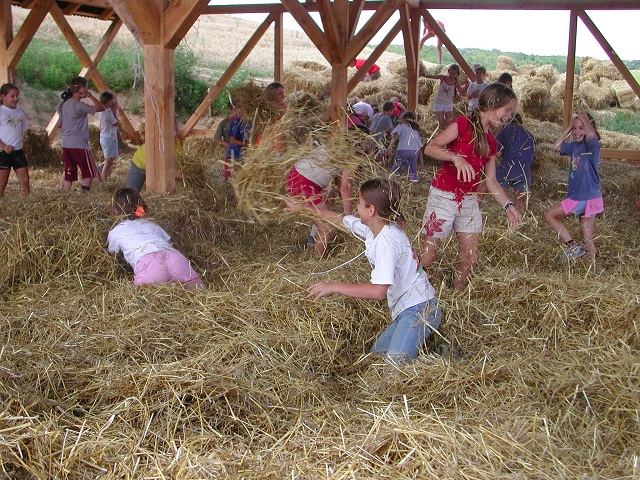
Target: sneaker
{"points": [[311, 241], [571, 253]]}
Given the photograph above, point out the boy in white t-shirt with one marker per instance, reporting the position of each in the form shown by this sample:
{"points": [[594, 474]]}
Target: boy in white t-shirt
{"points": [[475, 88]]}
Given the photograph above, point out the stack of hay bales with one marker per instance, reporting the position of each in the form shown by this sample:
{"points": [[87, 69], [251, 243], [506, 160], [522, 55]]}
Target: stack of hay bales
{"points": [[309, 77], [534, 93], [596, 81]]}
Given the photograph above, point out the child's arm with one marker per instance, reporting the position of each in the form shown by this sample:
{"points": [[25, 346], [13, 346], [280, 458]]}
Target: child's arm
{"points": [[234, 141], [392, 142], [558, 143], [367, 291], [346, 191], [334, 218], [498, 194], [433, 77], [437, 149]]}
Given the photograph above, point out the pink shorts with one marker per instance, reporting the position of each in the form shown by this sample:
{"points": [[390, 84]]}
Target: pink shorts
{"points": [[585, 208], [162, 267], [81, 158], [300, 186]]}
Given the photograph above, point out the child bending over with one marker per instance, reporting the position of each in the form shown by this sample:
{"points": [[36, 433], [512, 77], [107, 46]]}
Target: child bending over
{"points": [[146, 246], [396, 273]]}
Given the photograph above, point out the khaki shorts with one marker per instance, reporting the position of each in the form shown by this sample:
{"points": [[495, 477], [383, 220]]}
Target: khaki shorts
{"points": [[447, 211]]}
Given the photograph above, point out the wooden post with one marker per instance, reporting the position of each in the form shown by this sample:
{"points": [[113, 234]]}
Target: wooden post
{"points": [[337, 110], [278, 47], [571, 70], [6, 36], [159, 117]]}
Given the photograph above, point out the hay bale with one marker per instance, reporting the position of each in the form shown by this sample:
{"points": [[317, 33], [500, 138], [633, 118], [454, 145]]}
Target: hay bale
{"points": [[526, 69], [594, 96], [533, 96], [305, 103], [622, 141], [505, 63], [309, 80], [625, 96], [548, 72], [308, 65], [599, 68], [38, 150]]}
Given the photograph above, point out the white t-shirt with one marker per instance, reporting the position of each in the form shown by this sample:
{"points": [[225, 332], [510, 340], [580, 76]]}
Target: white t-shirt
{"points": [[12, 123], [137, 238], [108, 121], [316, 167], [363, 108], [408, 138], [394, 263], [472, 88]]}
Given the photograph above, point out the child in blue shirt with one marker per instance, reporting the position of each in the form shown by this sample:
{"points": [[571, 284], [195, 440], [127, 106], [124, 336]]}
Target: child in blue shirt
{"points": [[239, 130], [584, 197]]}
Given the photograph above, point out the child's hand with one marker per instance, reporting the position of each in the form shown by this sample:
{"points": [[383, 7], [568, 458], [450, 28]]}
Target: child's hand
{"points": [[293, 205], [514, 217], [464, 168], [322, 289]]}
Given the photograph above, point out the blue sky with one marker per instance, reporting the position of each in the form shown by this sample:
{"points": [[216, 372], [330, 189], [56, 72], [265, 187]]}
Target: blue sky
{"points": [[532, 32]]}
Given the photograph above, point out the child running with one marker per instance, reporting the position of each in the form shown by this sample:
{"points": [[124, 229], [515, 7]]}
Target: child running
{"points": [[467, 148], [76, 151], [12, 123], [396, 270], [146, 246], [108, 132], [443, 103], [407, 134], [584, 197]]}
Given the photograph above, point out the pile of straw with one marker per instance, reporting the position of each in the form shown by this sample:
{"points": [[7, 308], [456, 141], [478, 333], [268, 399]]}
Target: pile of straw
{"points": [[251, 379], [39, 152]]}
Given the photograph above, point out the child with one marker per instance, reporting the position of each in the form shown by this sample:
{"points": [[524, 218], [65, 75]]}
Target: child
{"points": [[584, 197], [146, 246], [309, 180], [428, 33], [475, 88], [239, 131], [381, 125], [76, 151], [138, 169], [12, 123], [506, 79], [447, 89], [516, 157], [108, 132], [396, 270], [467, 148], [398, 109], [407, 134], [221, 134], [372, 74]]}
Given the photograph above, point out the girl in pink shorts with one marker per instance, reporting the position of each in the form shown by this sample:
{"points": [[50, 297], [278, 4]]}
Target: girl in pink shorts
{"points": [[146, 246], [584, 196]]}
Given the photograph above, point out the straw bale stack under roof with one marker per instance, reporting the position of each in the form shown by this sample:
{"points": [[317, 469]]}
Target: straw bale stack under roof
{"points": [[300, 77], [594, 96]]}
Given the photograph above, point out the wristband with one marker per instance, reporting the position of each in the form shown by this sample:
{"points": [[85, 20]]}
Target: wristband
{"points": [[452, 157], [508, 204]]}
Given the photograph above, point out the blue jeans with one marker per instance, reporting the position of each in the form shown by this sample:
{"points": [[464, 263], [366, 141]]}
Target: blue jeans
{"points": [[136, 177], [403, 339]]}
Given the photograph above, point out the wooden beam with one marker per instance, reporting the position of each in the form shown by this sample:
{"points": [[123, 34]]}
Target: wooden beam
{"points": [[571, 70], [141, 17], [27, 31], [622, 68], [373, 25], [449, 44], [529, 4], [106, 14], [379, 50], [6, 36], [617, 154], [179, 18], [71, 8], [331, 30], [337, 110], [159, 119], [412, 38], [226, 76], [310, 27], [278, 48], [356, 7]]}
